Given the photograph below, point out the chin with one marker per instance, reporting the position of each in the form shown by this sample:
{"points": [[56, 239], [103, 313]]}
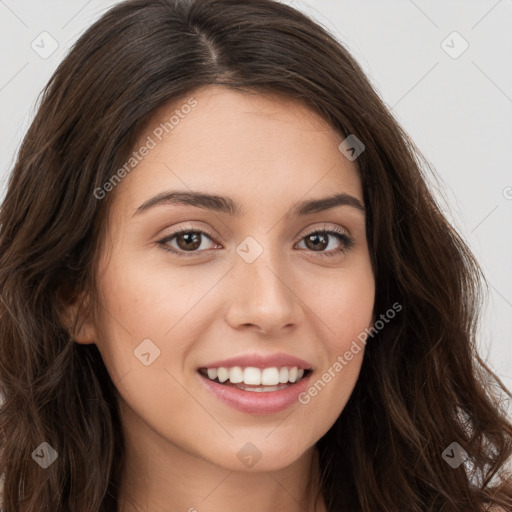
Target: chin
{"points": [[261, 455]]}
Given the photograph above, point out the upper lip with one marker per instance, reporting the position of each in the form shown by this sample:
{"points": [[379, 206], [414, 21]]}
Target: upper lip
{"points": [[261, 361]]}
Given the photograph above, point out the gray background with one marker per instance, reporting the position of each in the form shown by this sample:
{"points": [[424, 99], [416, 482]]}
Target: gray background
{"points": [[457, 110]]}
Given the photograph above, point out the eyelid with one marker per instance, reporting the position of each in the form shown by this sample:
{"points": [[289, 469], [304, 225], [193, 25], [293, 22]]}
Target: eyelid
{"points": [[190, 227], [308, 230], [314, 228]]}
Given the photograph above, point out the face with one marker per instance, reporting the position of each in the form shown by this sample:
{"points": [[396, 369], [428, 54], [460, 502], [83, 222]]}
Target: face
{"points": [[257, 286]]}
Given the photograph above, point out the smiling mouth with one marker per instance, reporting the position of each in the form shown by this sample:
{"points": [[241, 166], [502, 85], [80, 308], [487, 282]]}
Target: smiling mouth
{"points": [[259, 380]]}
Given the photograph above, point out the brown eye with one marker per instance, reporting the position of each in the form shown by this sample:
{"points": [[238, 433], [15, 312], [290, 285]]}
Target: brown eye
{"points": [[319, 241], [186, 241]]}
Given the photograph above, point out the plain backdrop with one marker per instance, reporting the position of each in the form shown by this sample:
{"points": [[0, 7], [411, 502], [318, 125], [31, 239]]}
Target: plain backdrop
{"points": [[442, 67]]}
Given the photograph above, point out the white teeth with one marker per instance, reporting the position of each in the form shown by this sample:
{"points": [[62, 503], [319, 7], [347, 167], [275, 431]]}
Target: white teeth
{"points": [[236, 375], [283, 375], [222, 374], [251, 376], [270, 377]]}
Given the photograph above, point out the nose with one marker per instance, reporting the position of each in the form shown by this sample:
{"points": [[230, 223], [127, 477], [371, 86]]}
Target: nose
{"points": [[263, 296]]}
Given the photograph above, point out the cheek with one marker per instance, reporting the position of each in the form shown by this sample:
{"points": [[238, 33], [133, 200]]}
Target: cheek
{"points": [[149, 322], [146, 300], [346, 310], [351, 309], [149, 309], [344, 303]]}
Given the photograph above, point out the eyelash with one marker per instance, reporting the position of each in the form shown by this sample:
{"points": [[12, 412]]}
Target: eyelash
{"points": [[347, 241]]}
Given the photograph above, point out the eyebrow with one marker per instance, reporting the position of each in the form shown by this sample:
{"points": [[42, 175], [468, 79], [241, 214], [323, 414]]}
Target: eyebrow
{"points": [[227, 205]]}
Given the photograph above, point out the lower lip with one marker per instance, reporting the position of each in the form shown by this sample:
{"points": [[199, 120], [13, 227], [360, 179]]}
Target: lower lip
{"points": [[252, 402]]}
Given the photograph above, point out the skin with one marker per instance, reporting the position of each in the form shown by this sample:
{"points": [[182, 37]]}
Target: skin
{"points": [[267, 153]]}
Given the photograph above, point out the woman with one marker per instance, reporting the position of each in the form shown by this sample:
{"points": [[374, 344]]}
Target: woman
{"points": [[225, 284]]}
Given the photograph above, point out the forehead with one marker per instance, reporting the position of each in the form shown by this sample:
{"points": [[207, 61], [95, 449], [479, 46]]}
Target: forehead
{"points": [[258, 148]]}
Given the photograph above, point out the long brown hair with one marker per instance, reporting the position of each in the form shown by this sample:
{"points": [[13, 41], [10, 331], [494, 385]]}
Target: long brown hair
{"points": [[422, 385]]}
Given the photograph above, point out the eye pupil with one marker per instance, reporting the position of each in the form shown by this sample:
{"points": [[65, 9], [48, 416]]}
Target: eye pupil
{"points": [[190, 238], [316, 236]]}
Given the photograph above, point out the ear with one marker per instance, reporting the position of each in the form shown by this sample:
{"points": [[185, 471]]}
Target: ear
{"points": [[76, 316]]}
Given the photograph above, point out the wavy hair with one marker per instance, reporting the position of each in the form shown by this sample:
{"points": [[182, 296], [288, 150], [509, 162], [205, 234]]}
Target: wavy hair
{"points": [[422, 385]]}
